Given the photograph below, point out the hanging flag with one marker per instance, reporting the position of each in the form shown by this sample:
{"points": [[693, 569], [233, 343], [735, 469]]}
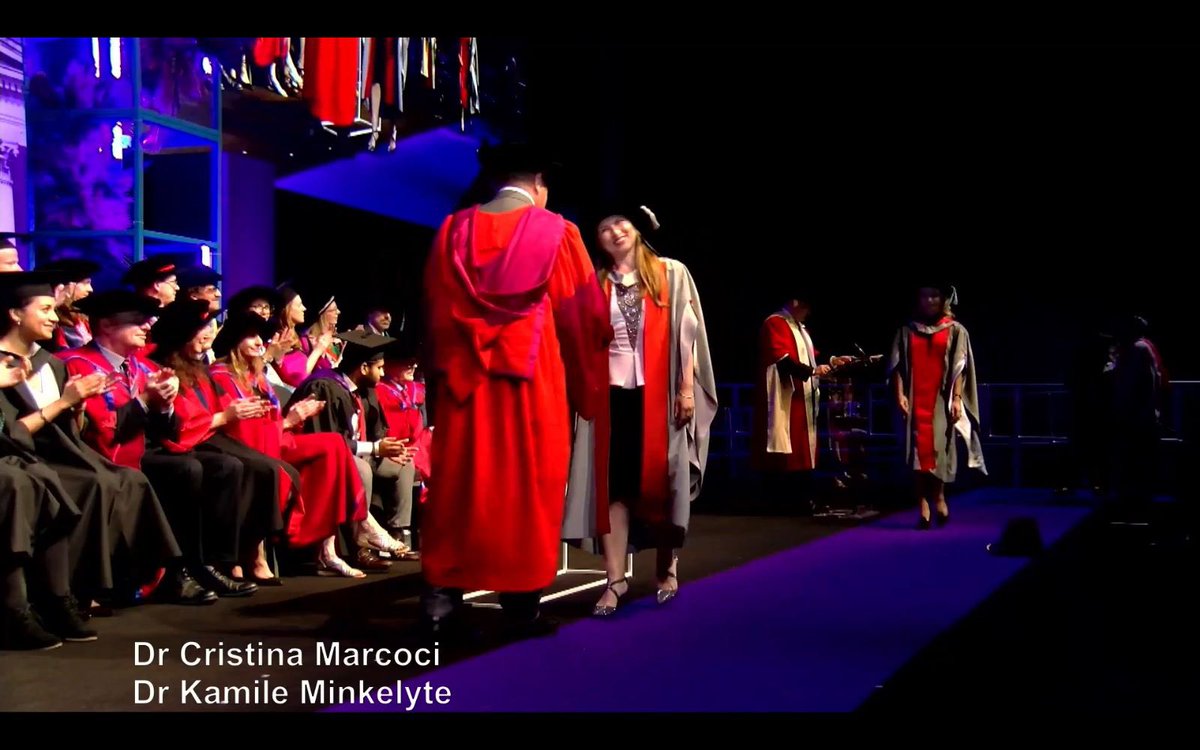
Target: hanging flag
{"points": [[402, 67], [429, 60]]}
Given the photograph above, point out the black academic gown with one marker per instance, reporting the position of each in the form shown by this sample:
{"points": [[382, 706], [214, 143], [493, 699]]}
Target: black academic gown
{"points": [[33, 503], [340, 408], [119, 510]]}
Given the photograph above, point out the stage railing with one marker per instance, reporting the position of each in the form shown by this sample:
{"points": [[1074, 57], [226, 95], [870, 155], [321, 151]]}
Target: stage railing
{"points": [[1018, 416]]}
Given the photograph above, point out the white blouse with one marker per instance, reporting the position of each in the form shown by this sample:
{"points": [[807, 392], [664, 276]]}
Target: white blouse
{"points": [[42, 385], [625, 368]]}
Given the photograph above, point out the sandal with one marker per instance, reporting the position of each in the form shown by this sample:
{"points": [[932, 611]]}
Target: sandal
{"points": [[601, 610], [665, 595], [382, 543], [338, 567]]}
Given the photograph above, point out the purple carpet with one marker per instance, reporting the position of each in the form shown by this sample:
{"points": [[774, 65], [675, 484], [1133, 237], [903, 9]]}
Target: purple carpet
{"points": [[815, 628]]}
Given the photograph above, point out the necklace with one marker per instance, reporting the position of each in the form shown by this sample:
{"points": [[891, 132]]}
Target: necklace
{"points": [[629, 302]]}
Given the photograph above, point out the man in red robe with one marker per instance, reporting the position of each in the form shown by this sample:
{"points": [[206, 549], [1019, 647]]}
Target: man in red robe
{"points": [[785, 414], [405, 422], [514, 317], [140, 408], [155, 277]]}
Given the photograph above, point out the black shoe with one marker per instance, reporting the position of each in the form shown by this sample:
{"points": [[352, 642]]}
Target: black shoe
{"points": [[924, 524], [943, 519], [180, 588], [23, 631], [214, 580], [452, 630], [60, 616]]}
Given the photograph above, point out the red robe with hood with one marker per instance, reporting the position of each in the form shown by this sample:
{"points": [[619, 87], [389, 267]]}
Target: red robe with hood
{"points": [[516, 322]]}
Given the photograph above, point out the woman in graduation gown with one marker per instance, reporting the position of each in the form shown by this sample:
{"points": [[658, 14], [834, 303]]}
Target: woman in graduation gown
{"points": [[662, 400], [932, 369], [120, 515], [36, 517], [331, 493], [182, 335]]}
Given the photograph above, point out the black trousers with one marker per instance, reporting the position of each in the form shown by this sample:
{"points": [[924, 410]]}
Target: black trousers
{"points": [[201, 493]]}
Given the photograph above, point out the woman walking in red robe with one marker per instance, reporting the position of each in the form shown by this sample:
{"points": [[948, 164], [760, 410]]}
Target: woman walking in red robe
{"points": [[933, 376]]}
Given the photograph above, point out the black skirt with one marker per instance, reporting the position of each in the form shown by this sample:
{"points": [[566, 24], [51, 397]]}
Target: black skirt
{"points": [[625, 447], [627, 407]]}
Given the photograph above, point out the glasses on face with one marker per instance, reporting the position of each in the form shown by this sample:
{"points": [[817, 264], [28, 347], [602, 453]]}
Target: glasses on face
{"points": [[262, 309]]}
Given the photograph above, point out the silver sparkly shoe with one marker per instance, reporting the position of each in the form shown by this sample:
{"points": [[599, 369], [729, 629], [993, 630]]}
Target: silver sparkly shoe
{"points": [[665, 595], [603, 610]]}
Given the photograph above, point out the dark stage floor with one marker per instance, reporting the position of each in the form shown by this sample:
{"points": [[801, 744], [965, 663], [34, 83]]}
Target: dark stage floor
{"points": [[377, 611], [1102, 621], [1106, 623]]}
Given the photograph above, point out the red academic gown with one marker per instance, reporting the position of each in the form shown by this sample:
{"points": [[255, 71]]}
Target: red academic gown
{"points": [[269, 49], [115, 426], [195, 405], [68, 336], [776, 341], [928, 354], [385, 68], [654, 505], [331, 492], [331, 78], [404, 421], [515, 319]]}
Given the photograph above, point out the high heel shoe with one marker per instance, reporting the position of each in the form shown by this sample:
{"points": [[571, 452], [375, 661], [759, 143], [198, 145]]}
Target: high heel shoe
{"points": [[942, 518], [338, 567], [665, 595], [603, 610], [924, 524]]}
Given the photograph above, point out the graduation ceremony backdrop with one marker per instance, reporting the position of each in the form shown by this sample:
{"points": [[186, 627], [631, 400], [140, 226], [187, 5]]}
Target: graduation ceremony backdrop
{"points": [[1050, 184], [1053, 185]]}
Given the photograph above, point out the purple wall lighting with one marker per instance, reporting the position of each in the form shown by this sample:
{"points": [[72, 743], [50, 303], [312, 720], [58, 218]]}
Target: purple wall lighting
{"points": [[248, 227]]}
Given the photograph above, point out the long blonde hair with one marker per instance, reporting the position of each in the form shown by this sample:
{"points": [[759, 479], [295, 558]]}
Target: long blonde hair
{"points": [[646, 261], [245, 372]]}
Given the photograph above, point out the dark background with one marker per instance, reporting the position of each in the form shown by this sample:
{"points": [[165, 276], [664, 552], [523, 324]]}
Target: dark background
{"points": [[1054, 186]]}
